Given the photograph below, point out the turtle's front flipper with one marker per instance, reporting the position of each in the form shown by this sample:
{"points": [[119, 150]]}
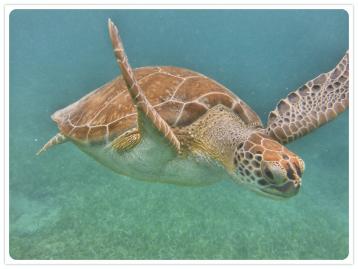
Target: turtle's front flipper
{"points": [[315, 103], [149, 121]]}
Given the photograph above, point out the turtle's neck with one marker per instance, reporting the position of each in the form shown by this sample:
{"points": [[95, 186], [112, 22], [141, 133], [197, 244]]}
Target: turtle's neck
{"points": [[216, 135]]}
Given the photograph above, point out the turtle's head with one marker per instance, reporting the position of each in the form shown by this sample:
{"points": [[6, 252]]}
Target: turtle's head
{"points": [[268, 167]]}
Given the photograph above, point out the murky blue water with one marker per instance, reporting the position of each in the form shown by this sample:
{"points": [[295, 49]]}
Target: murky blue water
{"points": [[64, 205]]}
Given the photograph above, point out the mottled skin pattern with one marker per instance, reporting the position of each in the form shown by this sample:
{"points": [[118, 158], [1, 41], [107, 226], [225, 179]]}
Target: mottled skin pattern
{"points": [[315, 103], [173, 125]]}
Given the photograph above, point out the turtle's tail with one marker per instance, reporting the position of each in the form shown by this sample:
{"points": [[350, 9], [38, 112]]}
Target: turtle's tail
{"points": [[57, 139]]}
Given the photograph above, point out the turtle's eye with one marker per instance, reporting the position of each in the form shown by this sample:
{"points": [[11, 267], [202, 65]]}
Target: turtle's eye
{"points": [[268, 173], [274, 173]]}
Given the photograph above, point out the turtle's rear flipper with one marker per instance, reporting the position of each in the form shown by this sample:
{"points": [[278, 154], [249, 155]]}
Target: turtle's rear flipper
{"points": [[57, 139], [312, 105]]}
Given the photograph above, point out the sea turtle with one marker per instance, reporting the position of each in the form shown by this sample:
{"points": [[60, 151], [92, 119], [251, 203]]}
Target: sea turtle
{"points": [[174, 125]]}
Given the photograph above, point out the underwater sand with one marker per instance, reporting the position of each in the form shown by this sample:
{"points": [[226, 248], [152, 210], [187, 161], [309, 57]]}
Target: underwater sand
{"points": [[65, 205]]}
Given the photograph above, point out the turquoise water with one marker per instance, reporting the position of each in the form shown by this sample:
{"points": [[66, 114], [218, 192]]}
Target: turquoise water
{"points": [[64, 205]]}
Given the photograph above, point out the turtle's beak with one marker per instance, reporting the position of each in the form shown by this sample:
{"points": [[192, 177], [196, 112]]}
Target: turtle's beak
{"points": [[286, 190]]}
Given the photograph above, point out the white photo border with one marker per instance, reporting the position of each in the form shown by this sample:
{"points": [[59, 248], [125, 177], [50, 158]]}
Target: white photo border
{"points": [[349, 8]]}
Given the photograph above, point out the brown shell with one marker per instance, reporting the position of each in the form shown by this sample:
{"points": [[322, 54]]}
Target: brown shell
{"points": [[179, 95]]}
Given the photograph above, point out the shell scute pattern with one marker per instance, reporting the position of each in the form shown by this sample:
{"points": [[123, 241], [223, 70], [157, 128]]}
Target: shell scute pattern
{"points": [[179, 95]]}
